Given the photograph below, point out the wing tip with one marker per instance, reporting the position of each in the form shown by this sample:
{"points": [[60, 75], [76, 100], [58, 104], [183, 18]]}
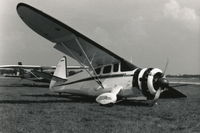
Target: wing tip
{"points": [[21, 4]]}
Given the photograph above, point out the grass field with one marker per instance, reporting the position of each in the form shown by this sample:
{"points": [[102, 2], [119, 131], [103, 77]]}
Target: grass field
{"points": [[36, 110]]}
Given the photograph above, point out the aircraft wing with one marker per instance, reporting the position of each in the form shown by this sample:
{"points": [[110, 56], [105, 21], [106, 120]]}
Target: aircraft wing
{"points": [[27, 66], [68, 40], [20, 66], [172, 93], [184, 83]]}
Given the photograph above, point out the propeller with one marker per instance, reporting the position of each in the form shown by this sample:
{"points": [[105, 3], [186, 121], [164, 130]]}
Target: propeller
{"points": [[170, 92], [152, 82], [162, 82]]}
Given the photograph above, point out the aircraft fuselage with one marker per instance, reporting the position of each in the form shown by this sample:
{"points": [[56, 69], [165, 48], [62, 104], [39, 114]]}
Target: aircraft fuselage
{"points": [[84, 84]]}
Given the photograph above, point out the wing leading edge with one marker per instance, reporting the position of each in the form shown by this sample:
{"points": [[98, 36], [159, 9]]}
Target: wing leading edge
{"points": [[27, 66], [68, 40]]}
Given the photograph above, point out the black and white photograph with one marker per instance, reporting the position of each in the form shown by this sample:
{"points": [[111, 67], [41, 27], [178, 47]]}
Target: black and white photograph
{"points": [[99, 66]]}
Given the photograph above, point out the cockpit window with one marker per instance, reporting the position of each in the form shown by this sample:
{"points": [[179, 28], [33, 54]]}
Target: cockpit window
{"points": [[116, 67], [125, 67], [98, 70], [107, 69]]}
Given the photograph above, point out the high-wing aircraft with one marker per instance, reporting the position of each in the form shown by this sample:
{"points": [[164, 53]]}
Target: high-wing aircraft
{"points": [[108, 76], [26, 71], [34, 72]]}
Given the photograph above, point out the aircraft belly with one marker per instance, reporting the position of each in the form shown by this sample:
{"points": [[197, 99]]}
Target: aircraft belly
{"points": [[83, 88], [125, 82], [130, 92], [76, 88]]}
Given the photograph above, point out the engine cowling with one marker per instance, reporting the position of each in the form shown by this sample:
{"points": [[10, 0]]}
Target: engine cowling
{"points": [[149, 80]]}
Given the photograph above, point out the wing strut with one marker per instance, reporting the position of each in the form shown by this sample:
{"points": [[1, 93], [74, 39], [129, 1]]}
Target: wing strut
{"points": [[89, 62], [34, 75]]}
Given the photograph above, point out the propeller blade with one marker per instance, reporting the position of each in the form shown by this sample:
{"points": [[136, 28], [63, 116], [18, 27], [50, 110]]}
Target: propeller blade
{"points": [[157, 94], [166, 65]]}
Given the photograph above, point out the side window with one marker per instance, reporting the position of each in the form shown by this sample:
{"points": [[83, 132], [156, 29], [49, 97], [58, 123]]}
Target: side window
{"points": [[98, 70], [116, 67], [107, 69]]}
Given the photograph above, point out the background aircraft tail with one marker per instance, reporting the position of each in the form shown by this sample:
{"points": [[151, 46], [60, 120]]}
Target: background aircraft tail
{"points": [[60, 74]]}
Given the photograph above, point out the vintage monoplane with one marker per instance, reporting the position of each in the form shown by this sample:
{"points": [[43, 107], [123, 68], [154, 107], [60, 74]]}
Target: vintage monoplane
{"points": [[108, 76]]}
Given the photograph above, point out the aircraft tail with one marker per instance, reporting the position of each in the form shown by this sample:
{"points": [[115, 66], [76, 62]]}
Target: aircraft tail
{"points": [[60, 74]]}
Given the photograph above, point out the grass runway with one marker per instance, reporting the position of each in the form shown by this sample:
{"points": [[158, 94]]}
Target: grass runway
{"points": [[36, 110]]}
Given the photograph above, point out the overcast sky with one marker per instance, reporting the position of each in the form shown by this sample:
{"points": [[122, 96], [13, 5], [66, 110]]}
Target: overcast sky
{"points": [[147, 31]]}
